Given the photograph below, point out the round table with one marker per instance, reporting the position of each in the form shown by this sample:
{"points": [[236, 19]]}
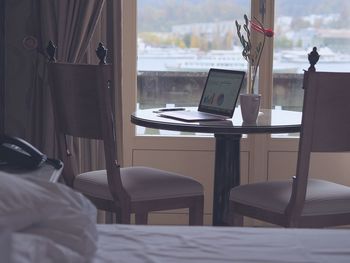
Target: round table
{"points": [[227, 134]]}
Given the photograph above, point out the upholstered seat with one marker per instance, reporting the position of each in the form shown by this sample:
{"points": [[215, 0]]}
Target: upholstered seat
{"points": [[322, 197], [141, 184]]}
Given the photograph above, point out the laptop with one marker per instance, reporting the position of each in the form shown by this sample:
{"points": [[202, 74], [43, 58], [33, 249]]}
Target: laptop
{"points": [[219, 98]]}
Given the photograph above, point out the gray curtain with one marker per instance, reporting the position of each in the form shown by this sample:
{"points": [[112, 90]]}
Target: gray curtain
{"points": [[70, 24], [30, 24], [2, 67]]}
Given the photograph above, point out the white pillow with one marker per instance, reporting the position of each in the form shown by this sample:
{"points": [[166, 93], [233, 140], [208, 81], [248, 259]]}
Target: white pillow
{"points": [[49, 210]]}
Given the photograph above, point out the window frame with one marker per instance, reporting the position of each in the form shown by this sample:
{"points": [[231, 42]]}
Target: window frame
{"points": [[129, 75]]}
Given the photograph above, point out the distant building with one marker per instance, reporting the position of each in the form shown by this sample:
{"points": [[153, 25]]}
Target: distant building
{"points": [[208, 30], [336, 39]]}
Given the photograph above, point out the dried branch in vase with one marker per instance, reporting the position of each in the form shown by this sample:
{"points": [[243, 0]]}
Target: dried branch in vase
{"points": [[252, 56]]}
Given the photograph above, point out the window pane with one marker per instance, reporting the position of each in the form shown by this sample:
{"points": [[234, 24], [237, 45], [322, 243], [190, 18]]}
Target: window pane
{"points": [[300, 26], [178, 41]]}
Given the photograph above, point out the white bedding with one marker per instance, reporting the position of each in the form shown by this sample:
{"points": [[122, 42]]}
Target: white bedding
{"points": [[47, 222], [132, 244]]}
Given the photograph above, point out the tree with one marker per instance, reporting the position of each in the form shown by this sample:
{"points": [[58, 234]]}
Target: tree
{"points": [[299, 22], [187, 40], [283, 43], [228, 40], [195, 41], [150, 38], [299, 43]]}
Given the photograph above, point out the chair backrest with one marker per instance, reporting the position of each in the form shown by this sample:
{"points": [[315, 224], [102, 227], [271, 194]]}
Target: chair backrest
{"points": [[77, 93], [82, 103], [325, 126]]}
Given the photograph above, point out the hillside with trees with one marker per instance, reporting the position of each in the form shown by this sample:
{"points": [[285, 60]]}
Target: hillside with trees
{"points": [[160, 15], [156, 19]]}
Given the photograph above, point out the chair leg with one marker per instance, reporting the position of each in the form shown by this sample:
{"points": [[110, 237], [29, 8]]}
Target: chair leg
{"points": [[234, 219], [124, 217], [237, 220], [141, 218], [196, 213], [118, 219], [109, 217]]}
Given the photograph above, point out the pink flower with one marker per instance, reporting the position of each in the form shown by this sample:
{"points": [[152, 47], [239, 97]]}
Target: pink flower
{"points": [[252, 55], [267, 32]]}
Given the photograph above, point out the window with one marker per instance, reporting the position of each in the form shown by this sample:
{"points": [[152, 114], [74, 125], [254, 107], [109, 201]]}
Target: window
{"points": [[300, 26], [177, 43]]}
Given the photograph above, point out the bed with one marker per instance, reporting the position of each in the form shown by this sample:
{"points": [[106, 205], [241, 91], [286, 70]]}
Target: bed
{"points": [[220, 244], [42, 221]]}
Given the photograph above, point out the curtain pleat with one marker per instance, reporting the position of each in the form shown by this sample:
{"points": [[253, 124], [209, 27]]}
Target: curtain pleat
{"points": [[70, 24]]}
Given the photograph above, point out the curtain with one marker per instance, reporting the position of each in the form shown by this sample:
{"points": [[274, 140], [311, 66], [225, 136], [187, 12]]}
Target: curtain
{"points": [[70, 24], [76, 27], [2, 67]]}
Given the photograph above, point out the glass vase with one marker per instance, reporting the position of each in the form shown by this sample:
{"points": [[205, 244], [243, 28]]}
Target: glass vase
{"points": [[250, 79], [250, 102]]}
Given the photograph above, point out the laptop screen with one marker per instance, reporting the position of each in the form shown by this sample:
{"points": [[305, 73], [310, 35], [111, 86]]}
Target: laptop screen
{"points": [[221, 91]]}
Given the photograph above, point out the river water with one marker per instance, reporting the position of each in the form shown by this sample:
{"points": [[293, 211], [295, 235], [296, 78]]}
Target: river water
{"points": [[175, 60]]}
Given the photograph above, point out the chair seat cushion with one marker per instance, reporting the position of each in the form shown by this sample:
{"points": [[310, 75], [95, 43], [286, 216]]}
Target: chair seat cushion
{"points": [[322, 197], [141, 183]]}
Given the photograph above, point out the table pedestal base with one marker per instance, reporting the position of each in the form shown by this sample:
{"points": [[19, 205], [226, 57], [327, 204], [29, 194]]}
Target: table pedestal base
{"points": [[227, 174]]}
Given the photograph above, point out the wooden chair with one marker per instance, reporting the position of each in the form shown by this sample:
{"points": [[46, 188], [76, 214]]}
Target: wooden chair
{"points": [[302, 201], [83, 108]]}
